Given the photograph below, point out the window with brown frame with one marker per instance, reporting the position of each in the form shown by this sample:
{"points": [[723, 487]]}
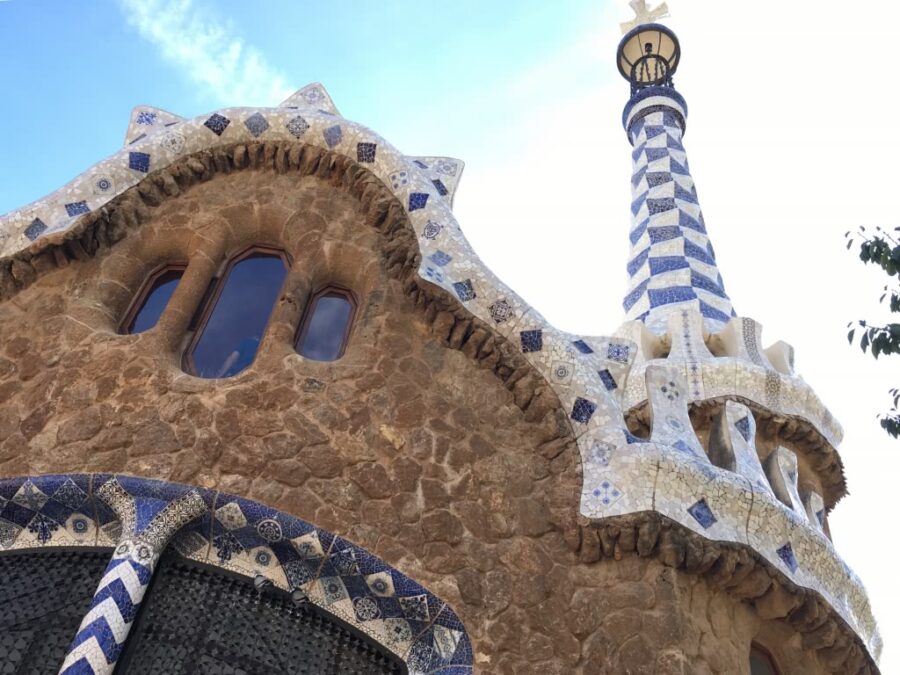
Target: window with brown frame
{"points": [[325, 328], [151, 299], [235, 317], [761, 661]]}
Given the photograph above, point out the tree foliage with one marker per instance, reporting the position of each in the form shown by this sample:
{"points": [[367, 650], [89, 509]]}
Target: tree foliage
{"points": [[883, 250]]}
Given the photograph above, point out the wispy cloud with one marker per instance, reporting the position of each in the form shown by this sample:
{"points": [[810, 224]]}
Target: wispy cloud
{"points": [[207, 51]]}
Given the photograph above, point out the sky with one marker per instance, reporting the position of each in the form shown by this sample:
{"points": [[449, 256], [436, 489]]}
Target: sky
{"points": [[790, 137]]}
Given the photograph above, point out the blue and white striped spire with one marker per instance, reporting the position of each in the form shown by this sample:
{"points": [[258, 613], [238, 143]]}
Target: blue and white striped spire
{"points": [[672, 264]]}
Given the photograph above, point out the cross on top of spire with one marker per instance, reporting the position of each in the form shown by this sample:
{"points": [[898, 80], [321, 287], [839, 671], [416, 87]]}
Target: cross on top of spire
{"points": [[643, 14]]}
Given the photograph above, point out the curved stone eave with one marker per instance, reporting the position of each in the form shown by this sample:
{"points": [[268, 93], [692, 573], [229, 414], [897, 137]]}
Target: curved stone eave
{"points": [[742, 572]]}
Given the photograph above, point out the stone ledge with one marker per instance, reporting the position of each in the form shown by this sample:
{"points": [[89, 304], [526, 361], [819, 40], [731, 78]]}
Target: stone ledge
{"points": [[739, 571], [649, 477]]}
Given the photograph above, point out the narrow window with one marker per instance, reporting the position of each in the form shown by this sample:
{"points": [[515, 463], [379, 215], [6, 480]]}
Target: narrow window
{"points": [[326, 325], [151, 299], [234, 320], [761, 662]]}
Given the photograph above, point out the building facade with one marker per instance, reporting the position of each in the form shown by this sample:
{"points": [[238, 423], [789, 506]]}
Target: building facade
{"points": [[263, 410]]}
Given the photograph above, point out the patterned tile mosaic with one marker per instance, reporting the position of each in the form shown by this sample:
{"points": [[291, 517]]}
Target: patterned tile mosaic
{"points": [[137, 517]]}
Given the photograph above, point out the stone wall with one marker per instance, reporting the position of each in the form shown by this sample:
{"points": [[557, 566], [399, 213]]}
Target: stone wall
{"points": [[427, 443]]}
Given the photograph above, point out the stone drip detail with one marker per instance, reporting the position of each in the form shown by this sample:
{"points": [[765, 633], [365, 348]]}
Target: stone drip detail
{"points": [[743, 574], [138, 518], [672, 264], [579, 383]]}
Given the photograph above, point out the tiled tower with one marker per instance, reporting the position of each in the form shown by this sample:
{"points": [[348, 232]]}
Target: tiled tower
{"points": [[447, 484], [672, 263], [701, 384]]}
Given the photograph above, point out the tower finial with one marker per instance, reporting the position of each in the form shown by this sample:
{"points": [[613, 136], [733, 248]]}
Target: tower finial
{"points": [[672, 264], [643, 14]]}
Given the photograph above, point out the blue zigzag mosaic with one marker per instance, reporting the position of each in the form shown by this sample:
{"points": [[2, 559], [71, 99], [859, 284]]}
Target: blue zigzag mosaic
{"points": [[672, 261], [136, 518]]}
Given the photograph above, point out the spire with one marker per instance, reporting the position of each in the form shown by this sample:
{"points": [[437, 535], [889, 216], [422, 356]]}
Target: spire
{"points": [[672, 264]]}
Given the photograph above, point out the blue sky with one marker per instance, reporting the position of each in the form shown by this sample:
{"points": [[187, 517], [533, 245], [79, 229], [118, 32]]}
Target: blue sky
{"points": [[78, 67], [790, 139]]}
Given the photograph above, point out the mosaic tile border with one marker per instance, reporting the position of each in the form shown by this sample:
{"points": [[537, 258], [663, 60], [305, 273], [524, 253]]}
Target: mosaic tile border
{"points": [[226, 531]]}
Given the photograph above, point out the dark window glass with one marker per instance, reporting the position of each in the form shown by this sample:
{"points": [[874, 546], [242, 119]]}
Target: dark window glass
{"points": [[232, 329], [152, 299], [324, 331], [761, 662]]}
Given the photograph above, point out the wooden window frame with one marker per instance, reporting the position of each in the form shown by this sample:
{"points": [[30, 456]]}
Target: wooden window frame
{"points": [[211, 300], [303, 328], [765, 653], [140, 298]]}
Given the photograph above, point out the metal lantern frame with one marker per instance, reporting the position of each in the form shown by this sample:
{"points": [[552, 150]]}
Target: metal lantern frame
{"points": [[652, 67]]}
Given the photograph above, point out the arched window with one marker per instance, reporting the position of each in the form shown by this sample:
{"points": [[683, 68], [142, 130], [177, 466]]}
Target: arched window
{"points": [[761, 662], [326, 324], [151, 299], [234, 319]]}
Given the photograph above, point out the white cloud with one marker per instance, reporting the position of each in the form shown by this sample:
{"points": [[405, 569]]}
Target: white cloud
{"points": [[207, 51]]}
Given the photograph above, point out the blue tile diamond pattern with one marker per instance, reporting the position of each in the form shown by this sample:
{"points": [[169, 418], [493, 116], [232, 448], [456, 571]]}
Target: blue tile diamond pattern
{"points": [[35, 229], [333, 135], [786, 553], [76, 208], [417, 200], [532, 340], [464, 290], [440, 258], [607, 379], [583, 410], [217, 123], [583, 347], [297, 126], [256, 124], [139, 161], [668, 230], [365, 152], [702, 514]]}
